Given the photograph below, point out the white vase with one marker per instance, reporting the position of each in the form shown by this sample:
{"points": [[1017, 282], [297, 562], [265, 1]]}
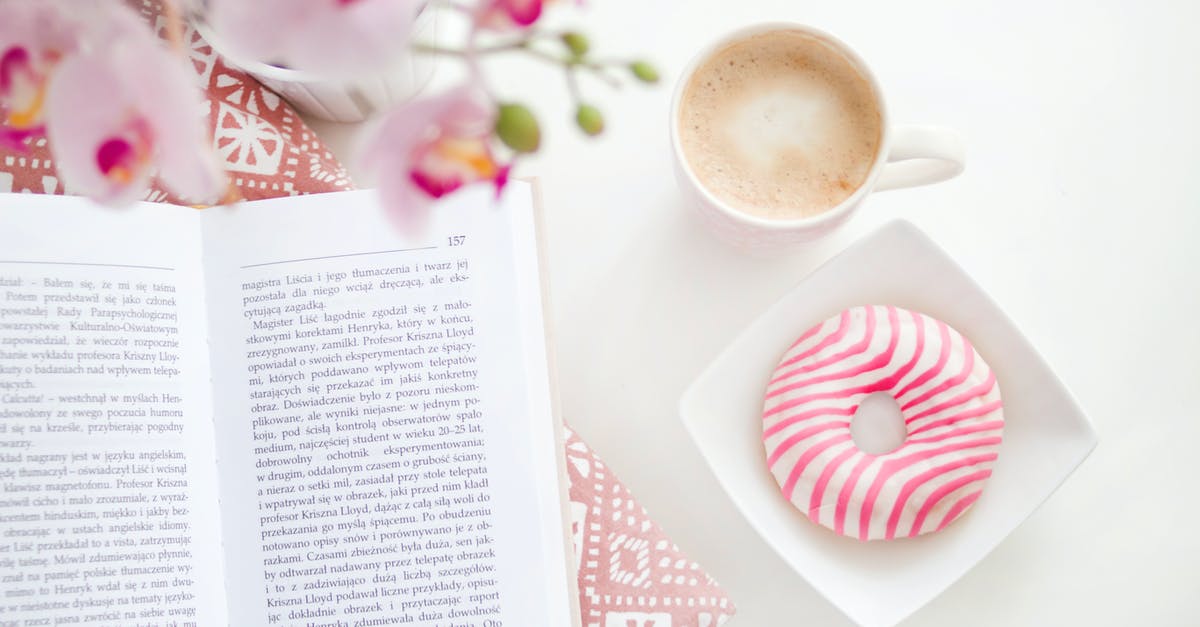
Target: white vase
{"points": [[340, 100]]}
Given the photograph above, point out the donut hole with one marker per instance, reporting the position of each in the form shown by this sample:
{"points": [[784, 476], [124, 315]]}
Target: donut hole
{"points": [[877, 426]]}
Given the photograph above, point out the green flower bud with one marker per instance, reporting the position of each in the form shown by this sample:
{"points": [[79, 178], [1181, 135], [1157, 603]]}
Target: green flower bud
{"points": [[644, 71], [517, 127], [589, 119], [577, 43]]}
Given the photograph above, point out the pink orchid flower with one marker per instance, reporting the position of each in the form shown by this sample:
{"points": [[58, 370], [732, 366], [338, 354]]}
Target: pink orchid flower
{"points": [[34, 36], [431, 147], [326, 37], [510, 14], [122, 108]]}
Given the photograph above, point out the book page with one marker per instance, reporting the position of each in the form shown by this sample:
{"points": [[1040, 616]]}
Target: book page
{"points": [[108, 505], [387, 449]]}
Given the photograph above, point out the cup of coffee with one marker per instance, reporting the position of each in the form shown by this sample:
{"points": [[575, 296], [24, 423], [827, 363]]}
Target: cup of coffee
{"points": [[780, 131]]}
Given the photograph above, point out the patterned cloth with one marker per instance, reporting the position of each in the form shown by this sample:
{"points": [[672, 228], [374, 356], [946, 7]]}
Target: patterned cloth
{"points": [[630, 574], [266, 148]]}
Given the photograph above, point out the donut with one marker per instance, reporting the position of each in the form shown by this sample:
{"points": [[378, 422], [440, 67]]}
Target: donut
{"points": [[949, 399]]}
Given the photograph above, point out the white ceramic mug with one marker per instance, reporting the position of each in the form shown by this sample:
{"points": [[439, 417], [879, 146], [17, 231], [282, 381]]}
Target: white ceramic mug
{"points": [[907, 156]]}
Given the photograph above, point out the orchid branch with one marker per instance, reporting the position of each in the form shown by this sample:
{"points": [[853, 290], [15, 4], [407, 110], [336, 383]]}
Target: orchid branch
{"points": [[516, 127], [599, 69], [451, 6], [424, 148]]}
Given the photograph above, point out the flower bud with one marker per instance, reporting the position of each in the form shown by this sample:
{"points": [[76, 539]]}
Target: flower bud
{"points": [[577, 43], [517, 127], [644, 71], [589, 119]]}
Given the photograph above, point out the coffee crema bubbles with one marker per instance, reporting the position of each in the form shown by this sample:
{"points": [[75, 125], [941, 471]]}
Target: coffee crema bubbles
{"points": [[780, 125]]}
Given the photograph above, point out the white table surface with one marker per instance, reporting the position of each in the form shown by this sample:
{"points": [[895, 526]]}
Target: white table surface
{"points": [[1078, 212]]}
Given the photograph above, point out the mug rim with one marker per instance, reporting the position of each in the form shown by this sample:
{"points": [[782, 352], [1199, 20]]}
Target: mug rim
{"points": [[826, 217]]}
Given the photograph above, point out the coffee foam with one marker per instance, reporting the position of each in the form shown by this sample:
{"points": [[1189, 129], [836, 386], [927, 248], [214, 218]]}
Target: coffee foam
{"points": [[780, 125]]}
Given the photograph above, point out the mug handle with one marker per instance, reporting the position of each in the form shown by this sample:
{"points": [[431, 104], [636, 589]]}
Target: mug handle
{"points": [[921, 155]]}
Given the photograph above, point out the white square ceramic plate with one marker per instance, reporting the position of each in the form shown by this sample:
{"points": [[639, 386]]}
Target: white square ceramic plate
{"points": [[877, 583]]}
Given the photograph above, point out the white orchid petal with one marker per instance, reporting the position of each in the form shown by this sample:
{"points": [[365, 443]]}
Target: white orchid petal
{"points": [[166, 94], [257, 30], [427, 140], [319, 36], [83, 111]]}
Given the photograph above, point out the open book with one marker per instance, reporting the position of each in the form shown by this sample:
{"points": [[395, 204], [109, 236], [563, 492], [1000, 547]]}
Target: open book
{"points": [[284, 412]]}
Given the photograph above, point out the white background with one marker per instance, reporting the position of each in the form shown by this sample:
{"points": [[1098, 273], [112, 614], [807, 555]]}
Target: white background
{"points": [[1078, 212]]}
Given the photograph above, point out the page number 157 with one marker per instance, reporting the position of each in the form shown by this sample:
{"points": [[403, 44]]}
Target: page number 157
{"points": [[456, 240]]}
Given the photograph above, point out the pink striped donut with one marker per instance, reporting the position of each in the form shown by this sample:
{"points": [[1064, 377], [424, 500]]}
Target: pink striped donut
{"points": [[952, 412]]}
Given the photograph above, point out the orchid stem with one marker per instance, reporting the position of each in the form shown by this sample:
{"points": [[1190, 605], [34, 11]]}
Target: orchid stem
{"points": [[452, 6], [459, 52], [571, 65], [573, 85], [174, 25], [471, 57]]}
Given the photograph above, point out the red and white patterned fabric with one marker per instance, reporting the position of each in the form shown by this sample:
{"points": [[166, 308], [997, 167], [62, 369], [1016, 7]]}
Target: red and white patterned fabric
{"points": [[630, 574], [266, 148]]}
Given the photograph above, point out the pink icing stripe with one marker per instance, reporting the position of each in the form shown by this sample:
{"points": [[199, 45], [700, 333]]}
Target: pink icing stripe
{"points": [[802, 435], [824, 396], [941, 493], [982, 410], [830, 395], [893, 466], [959, 432], [958, 508], [970, 394], [833, 338], [948, 384], [801, 417], [918, 350], [818, 493], [843, 501], [883, 384], [876, 386], [878, 361], [943, 358], [854, 349], [912, 484], [789, 486], [807, 334]]}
